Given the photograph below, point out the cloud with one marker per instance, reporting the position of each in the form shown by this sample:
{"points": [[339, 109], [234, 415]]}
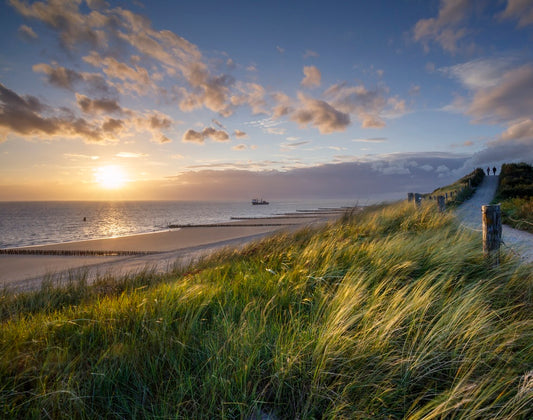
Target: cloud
{"points": [[292, 146], [310, 53], [500, 94], [27, 33], [239, 147], [480, 73], [280, 50], [130, 155], [192, 136], [240, 134], [251, 94], [446, 29], [414, 90], [320, 114], [283, 105], [115, 33], [510, 98], [159, 121], [27, 116], [371, 140], [112, 125], [366, 105], [522, 130], [97, 106], [218, 124], [76, 156], [62, 77], [134, 79], [392, 178], [521, 10], [276, 130], [153, 122], [312, 77], [72, 26]]}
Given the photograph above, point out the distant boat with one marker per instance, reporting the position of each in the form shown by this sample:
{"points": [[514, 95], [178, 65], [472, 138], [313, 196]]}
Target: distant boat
{"points": [[258, 201]]}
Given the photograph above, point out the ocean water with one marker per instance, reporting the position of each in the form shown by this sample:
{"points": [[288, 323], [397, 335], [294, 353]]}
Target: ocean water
{"points": [[39, 223]]}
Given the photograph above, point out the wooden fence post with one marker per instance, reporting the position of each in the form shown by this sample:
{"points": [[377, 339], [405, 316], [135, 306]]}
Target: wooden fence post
{"points": [[441, 203], [410, 197], [492, 232]]}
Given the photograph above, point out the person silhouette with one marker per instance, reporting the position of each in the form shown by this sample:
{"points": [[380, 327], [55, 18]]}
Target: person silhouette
{"points": [[494, 170], [488, 170]]}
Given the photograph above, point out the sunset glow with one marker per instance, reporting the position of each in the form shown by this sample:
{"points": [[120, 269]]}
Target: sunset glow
{"points": [[216, 100], [110, 177]]}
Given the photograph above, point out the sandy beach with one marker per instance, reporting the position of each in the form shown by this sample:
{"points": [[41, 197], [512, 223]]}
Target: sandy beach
{"points": [[158, 251]]}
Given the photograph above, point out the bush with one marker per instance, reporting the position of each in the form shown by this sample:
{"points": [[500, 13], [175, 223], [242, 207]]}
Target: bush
{"points": [[516, 181], [518, 212]]}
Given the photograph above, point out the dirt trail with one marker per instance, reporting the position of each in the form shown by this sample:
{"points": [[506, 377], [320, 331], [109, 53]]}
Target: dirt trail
{"points": [[519, 242]]}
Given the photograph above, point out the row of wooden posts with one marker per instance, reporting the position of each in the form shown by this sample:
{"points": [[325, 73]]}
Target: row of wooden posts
{"points": [[491, 221], [441, 199]]}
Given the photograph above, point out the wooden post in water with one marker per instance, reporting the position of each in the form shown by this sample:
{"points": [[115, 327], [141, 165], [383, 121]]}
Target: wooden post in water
{"points": [[491, 218], [441, 203]]}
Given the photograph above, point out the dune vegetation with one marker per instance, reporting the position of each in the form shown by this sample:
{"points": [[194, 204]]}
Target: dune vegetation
{"points": [[515, 192], [462, 189], [387, 313]]}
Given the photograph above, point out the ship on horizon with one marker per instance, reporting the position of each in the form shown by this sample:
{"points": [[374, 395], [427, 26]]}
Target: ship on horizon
{"points": [[259, 201]]}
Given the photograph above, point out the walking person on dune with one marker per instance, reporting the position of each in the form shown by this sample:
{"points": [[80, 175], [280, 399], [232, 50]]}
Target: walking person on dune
{"points": [[494, 170]]}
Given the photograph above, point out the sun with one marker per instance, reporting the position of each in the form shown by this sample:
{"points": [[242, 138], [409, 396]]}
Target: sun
{"points": [[110, 177]]}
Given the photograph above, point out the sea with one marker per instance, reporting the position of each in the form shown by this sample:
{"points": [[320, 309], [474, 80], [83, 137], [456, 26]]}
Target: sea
{"points": [[50, 222]]}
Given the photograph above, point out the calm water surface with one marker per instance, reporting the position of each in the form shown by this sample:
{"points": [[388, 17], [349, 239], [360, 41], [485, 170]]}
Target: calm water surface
{"points": [[38, 223]]}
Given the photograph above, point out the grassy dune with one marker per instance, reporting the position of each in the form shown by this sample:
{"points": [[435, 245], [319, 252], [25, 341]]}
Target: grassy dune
{"points": [[515, 192], [387, 314]]}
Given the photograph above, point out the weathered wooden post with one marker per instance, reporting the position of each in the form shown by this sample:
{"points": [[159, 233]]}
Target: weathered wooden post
{"points": [[410, 197], [441, 203], [418, 199], [492, 232]]}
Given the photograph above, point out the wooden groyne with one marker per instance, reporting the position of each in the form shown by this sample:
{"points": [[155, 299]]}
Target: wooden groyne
{"points": [[231, 225], [70, 253], [274, 218]]}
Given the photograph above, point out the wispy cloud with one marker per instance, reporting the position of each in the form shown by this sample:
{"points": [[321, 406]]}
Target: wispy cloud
{"points": [[310, 53], [448, 28], [27, 33], [521, 10], [371, 140], [130, 155], [240, 134]]}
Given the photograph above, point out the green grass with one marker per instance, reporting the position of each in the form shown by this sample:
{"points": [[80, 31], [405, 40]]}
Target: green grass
{"points": [[391, 313], [462, 189]]}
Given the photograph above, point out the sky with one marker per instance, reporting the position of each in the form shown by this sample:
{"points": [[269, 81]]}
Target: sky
{"points": [[211, 100]]}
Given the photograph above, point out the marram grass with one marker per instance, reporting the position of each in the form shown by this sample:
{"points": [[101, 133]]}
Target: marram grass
{"points": [[387, 314]]}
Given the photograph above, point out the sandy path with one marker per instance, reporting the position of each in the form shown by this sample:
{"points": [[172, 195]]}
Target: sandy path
{"points": [[519, 242]]}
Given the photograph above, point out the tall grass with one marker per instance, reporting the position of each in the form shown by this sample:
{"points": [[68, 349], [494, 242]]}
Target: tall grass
{"points": [[390, 313]]}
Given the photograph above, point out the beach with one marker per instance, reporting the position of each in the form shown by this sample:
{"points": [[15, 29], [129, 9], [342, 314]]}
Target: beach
{"points": [[25, 268]]}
